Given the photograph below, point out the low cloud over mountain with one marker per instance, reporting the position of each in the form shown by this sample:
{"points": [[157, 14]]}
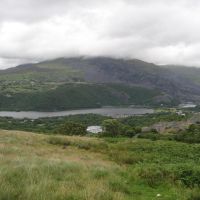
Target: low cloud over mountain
{"points": [[157, 31]]}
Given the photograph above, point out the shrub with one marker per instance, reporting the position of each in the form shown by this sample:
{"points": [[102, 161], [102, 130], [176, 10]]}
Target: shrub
{"points": [[130, 132], [154, 175], [189, 177], [71, 128], [118, 185], [152, 136], [191, 135], [123, 157], [58, 141], [112, 127], [195, 195]]}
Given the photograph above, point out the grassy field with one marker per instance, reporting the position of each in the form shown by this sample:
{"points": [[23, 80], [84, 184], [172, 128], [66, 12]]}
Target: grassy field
{"points": [[43, 167]]}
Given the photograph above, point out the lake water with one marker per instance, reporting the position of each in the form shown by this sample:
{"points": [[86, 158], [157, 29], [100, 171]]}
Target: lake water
{"points": [[113, 112]]}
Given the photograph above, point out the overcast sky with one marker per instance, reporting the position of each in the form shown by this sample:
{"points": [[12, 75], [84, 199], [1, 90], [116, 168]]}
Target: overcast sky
{"points": [[159, 31]]}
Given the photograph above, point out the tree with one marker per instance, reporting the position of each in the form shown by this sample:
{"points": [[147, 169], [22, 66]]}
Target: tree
{"points": [[112, 127], [130, 132], [71, 128]]}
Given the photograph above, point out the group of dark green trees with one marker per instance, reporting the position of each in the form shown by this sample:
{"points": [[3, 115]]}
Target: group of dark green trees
{"points": [[72, 128], [190, 135], [111, 128], [114, 128]]}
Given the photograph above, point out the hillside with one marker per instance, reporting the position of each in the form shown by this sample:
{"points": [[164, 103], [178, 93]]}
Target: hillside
{"points": [[43, 167], [72, 96], [191, 73], [67, 83]]}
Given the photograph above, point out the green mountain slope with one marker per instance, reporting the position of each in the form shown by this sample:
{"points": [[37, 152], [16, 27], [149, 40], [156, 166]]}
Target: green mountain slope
{"points": [[50, 80], [191, 73], [71, 96]]}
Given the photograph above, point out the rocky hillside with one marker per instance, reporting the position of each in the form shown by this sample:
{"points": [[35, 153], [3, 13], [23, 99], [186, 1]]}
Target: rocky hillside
{"points": [[171, 85]]}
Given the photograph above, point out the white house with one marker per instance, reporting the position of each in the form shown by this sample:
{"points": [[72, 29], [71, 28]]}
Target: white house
{"points": [[94, 129]]}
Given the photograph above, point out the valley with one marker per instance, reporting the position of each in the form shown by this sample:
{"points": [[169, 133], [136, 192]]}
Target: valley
{"points": [[99, 100], [148, 147]]}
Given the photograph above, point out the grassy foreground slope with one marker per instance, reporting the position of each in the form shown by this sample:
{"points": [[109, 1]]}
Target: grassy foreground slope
{"points": [[42, 167]]}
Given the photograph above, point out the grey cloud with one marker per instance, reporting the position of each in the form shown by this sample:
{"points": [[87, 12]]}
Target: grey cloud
{"points": [[159, 31], [36, 10]]}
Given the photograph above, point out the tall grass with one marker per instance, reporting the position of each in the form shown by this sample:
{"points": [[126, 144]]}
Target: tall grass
{"points": [[42, 167]]}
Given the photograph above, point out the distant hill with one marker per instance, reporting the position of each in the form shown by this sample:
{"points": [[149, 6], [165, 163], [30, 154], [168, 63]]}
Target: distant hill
{"points": [[191, 73], [72, 96], [61, 83]]}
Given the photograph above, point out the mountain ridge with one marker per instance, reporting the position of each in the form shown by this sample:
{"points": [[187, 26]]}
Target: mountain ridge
{"points": [[44, 77]]}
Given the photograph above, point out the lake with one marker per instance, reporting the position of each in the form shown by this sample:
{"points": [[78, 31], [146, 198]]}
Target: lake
{"points": [[108, 111]]}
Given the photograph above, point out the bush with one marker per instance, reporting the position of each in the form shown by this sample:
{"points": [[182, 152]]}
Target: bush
{"points": [[152, 136], [189, 177], [123, 157], [71, 128], [58, 141], [195, 195], [154, 175], [112, 127], [191, 135], [130, 132]]}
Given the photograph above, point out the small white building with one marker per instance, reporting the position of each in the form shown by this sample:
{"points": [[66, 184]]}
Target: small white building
{"points": [[94, 129], [187, 105], [180, 113]]}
